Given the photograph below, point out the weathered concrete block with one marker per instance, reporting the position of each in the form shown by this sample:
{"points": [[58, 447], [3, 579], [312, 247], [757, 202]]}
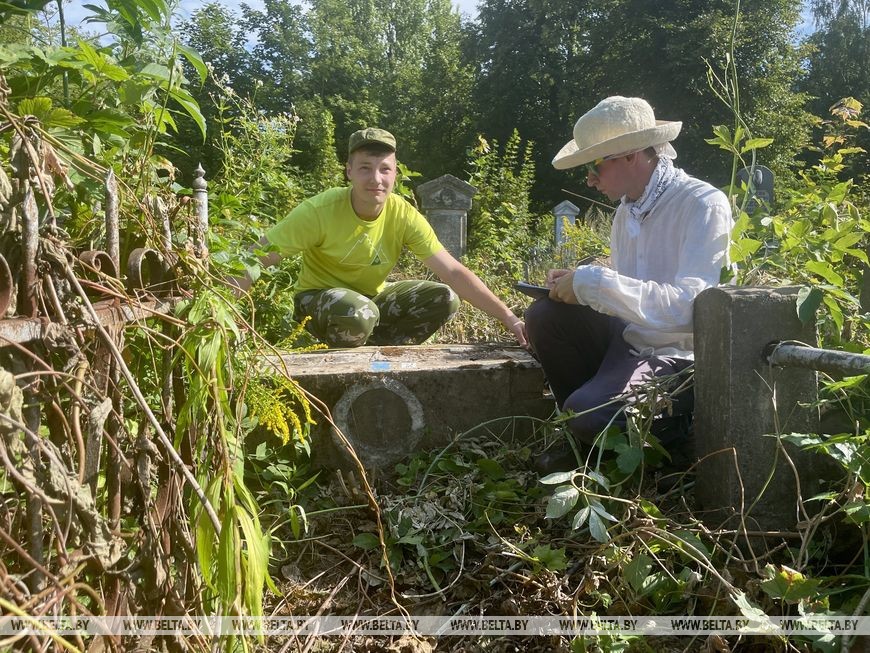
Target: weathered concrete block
{"points": [[392, 401], [739, 399]]}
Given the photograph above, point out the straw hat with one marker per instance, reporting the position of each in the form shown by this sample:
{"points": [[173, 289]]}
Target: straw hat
{"points": [[616, 125]]}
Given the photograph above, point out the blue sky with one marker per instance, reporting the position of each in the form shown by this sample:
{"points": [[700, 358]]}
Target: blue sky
{"points": [[75, 12]]}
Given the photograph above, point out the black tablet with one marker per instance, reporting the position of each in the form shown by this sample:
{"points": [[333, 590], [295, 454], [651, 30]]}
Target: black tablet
{"points": [[532, 290]]}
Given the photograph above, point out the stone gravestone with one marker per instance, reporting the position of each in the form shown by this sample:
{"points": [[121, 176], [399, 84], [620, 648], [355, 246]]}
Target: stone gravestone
{"points": [[564, 210], [445, 202], [740, 401], [759, 186], [391, 402]]}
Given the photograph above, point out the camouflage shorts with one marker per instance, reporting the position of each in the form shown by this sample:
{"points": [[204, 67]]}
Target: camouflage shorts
{"points": [[403, 313]]}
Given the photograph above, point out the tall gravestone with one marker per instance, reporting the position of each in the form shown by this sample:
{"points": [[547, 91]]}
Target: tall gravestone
{"points": [[564, 211], [445, 202], [759, 186]]}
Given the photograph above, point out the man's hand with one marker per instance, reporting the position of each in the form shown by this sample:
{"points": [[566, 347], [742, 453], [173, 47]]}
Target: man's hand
{"points": [[561, 284], [518, 328]]}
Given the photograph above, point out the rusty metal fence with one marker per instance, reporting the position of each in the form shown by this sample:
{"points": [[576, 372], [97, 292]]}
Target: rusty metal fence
{"points": [[87, 499]]}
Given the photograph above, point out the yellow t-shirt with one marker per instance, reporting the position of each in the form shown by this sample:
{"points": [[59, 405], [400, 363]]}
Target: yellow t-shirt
{"points": [[341, 250]]}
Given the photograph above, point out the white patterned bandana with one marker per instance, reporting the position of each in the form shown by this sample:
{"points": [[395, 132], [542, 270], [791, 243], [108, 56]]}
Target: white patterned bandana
{"points": [[661, 178]]}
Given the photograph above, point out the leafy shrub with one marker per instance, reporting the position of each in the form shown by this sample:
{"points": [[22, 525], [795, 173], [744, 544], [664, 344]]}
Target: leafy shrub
{"points": [[501, 222], [818, 238]]}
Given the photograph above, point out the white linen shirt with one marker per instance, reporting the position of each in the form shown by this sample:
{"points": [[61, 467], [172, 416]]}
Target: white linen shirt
{"points": [[679, 250]]}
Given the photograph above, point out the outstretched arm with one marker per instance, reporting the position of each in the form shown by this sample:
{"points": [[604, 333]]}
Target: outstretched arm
{"points": [[469, 287]]}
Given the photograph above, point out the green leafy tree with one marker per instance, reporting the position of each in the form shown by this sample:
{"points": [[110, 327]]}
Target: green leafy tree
{"points": [[443, 127], [839, 64], [215, 33], [541, 64], [529, 55], [280, 55], [501, 224]]}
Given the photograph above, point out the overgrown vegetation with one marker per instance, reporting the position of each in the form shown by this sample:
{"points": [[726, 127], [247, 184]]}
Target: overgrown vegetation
{"points": [[204, 501]]}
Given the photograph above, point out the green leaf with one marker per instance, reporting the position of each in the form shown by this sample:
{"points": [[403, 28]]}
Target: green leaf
{"points": [[787, 584], [156, 71], [722, 138], [452, 466], [229, 552], [599, 508], [563, 499], [414, 538], [824, 270], [597, 528], [156, 10], [857, 512], [599, 478], [366, 541], [835, 311], [20, 7], [802, 440], [194, 59], [205, 533], [256, 562], [581, 517], [845, 242], [101, 63], [552, 559], [755, 144], [557, 477], [829, 213], [689, 539], [636, 572], [629, 459], [191, 106], [650, 509], [744, 248], [808, 300], [838, 193], [747, 609], [110, 121], [41, 108], [491, 468], [859, 254]]}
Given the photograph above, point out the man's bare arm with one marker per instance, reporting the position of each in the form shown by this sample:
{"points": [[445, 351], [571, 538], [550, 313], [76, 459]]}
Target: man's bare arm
{"points": [[469, 287]]}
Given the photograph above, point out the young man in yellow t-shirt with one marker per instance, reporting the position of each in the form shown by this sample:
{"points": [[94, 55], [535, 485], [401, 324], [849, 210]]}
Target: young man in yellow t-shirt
{"points": [[351, 238]]}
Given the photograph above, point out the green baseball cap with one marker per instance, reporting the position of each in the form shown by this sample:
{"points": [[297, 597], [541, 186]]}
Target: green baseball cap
{"points": [[368, 136]]}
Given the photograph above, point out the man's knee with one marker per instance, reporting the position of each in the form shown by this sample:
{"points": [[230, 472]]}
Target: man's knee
{"points": [[539, 314], [443, 295], [340, 317]]}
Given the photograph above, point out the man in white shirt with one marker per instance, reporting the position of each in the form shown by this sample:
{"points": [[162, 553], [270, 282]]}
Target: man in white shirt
{"points": [[605, 329]]}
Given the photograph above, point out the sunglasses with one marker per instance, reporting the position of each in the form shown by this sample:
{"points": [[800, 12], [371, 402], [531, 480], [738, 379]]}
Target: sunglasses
{"points": [[592, 166]]}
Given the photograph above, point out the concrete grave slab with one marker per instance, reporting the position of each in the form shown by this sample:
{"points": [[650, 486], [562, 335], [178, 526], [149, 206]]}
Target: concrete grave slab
{"points": [[392, 401]]}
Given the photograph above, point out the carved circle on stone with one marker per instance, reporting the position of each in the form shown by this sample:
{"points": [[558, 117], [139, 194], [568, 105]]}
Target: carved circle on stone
{"points": [[383, 420]]}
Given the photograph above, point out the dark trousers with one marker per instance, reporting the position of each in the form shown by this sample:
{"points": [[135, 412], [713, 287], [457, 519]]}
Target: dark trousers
{"points": [[589, 365]]}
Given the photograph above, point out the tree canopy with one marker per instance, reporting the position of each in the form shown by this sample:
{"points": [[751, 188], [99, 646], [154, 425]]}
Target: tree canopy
{"points": [[533, 66]]}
